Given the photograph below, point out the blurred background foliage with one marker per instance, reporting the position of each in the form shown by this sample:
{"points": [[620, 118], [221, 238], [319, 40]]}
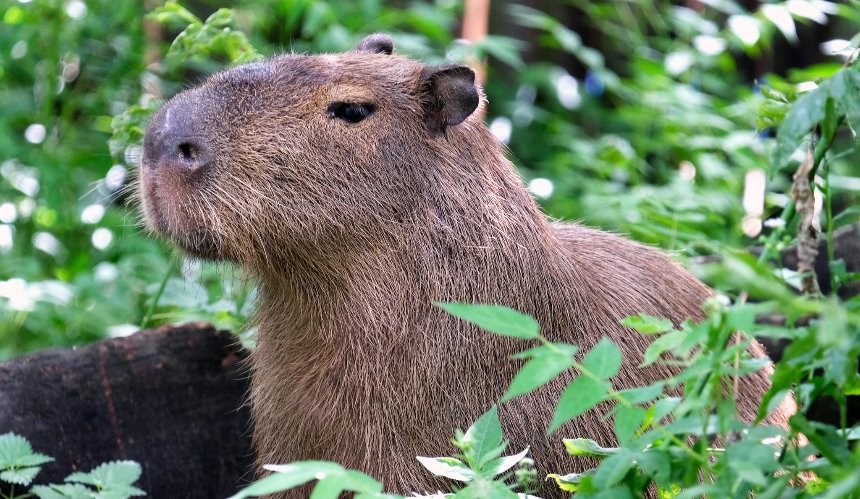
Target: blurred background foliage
{"points": [[644, 117]]}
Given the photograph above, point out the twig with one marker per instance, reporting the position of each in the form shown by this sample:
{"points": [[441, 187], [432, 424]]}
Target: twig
{"points": [[807, 227]]}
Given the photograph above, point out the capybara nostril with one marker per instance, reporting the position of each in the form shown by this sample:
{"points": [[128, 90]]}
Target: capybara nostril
{"points": [[178, 152], [174, 141], [188, 152], [184, 153]]}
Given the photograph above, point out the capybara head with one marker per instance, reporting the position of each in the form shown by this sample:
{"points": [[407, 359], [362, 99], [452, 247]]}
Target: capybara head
{"points": [[264, 160]]}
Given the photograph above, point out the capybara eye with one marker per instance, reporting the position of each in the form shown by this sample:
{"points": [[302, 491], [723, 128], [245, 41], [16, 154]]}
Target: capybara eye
{"points": [[351, 112]]}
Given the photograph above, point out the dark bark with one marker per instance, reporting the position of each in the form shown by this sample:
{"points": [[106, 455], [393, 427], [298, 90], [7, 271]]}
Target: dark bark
{"points": [[169, 398]]}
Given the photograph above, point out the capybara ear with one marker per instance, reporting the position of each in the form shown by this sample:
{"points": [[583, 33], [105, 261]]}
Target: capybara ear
{"points": [[377, 43], [448, 95]]}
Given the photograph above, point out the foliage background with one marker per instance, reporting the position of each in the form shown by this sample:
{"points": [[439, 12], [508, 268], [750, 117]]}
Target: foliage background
{"points": [[644, 117]]}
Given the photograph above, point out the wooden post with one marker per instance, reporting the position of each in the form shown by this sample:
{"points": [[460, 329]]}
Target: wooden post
{"points": [[476, 20]]}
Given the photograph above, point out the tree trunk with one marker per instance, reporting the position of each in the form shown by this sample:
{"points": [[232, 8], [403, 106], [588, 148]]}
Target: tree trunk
{"points": [[169, 398]]}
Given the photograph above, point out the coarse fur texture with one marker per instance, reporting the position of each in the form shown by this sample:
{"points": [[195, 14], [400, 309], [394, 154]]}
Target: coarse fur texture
{"points": [[355, 228]]}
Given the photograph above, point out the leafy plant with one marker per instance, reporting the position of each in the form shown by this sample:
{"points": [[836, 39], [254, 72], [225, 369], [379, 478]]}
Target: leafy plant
{"points": [[19, 466], [481, 465]]}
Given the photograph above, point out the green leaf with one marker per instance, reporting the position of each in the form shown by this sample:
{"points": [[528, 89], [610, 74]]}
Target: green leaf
{"points": [[570, 482], [171, 13], [803, 115], [360, 482], [581, 394], [329, 487], [613, 469], [483, 440], [824, 437], [503, 464], [34, 459], [648, 324], [741, 318], [641, 394], [604, 360], [288, 476], [587, 447], [109, 475], [13, 449], [221, 18], [844, 89], [495, 319], [544, 365], [663, 407], [20, 476], [65, 491], [483, 489], [666, 342], [569, 350], [628, 419], [448, 467], [655, 464]]}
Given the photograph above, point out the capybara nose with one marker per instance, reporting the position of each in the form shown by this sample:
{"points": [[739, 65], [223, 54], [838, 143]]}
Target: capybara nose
{"points": [[176, 146]]}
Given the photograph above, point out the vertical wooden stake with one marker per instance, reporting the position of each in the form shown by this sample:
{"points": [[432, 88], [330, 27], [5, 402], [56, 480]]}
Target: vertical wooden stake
{"points": [[476, 20]]}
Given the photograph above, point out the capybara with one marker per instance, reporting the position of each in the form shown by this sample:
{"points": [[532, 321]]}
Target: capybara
{"points": [[359, 189]]}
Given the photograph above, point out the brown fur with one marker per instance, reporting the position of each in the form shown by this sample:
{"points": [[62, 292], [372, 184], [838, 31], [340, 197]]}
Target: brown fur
{"points": [[354, 230]]}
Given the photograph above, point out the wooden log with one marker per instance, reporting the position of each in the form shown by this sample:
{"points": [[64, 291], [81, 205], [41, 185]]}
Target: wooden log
{"points": [[169, 398]]}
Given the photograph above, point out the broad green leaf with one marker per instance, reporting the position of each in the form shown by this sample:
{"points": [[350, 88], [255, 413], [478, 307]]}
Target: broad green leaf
{"points": [[569, 482], [543, 367], [581, 394], [844, 89], [613, 469], [663, 407], [120, 492], [641, 394], [484, 489], [20, 476], [771, 402], [569, 350], [288, 476], [852, 387], [483, 439], [648, 324], [803, 115], [34, 459], [172, 13], [503, 464], [604, 360], [360, 482], [628, 419], [616, 493], [329, 487], [666, 342], [495, 319], [741, 318], [448, 467], [587, 447], [824, 437], [13, 448], [748, 473], [109, 474], [65, 491], [656, 464], [221, 18]]}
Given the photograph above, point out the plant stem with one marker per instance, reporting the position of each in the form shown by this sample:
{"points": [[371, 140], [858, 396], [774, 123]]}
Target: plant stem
{"points": [[828, 207], [151, 310], [614, 394], [789, 211]]}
